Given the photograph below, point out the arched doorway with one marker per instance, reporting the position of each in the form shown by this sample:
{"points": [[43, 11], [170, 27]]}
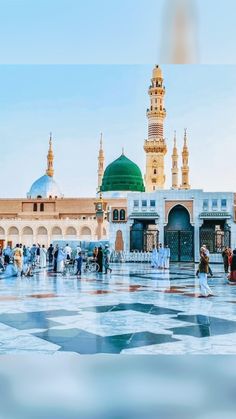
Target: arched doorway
{"points": [[13, 236], [42, 236], [71, 233], [2, 237], [56, 233], [27, 236], [86, 233], [179, 235], [119, 244]]}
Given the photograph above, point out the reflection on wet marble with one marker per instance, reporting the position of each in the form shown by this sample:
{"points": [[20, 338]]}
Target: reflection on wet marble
{"points": [[136, 310]]}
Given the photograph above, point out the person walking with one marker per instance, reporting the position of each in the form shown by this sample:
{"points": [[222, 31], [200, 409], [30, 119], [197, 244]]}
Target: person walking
{"points": [[208, 255], [79, 261], [33, 252], [43, 257], [225, 256], [68, 252], [50, 254], [160, 257], [18, 258], [55, 256], [7, 253], [232, 275], [61, 257], [107, 254], [203, 268], [166, 257], [38, 254], [95, 253], [154, 258], [100, 259]]}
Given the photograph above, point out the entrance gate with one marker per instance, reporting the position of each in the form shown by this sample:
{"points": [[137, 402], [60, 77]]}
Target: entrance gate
{"points": [[143, 237], [179, 235], [181, 245]]}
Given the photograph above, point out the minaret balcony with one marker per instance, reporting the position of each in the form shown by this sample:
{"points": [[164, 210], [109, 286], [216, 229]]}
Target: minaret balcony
{"points": [[156, 91], [155, 146], [157, 113]]}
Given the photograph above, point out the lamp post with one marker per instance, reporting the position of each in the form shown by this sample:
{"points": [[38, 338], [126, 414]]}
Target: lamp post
{"points": [[100, 211]]}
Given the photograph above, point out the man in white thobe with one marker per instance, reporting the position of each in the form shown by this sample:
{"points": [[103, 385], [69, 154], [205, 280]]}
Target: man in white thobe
{"points": [[167, 257], [154, 259], [160, 257], [43, 257], [68, 251]]}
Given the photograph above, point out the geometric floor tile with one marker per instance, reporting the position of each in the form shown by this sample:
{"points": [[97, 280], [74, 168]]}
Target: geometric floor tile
{"points": [[143, 308], [34, 320], [82, 342], [105, 314], [205, 326]]}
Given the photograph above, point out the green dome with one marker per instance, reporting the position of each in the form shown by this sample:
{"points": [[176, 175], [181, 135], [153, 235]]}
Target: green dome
{"points": [[122, 175]]}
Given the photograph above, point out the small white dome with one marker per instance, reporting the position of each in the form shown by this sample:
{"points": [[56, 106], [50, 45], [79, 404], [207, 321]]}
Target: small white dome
{"points": [[44, 187]]}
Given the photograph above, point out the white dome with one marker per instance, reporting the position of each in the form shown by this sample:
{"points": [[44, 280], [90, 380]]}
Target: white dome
{"points": [[44, 187]]}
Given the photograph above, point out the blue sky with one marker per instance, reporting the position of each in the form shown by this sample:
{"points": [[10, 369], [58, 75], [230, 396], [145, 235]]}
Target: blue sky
{"points": [[108, 32], [77, 102]]}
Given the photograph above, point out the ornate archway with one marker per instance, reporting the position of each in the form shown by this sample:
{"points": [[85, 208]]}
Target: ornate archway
{"points": [[179, 235]]}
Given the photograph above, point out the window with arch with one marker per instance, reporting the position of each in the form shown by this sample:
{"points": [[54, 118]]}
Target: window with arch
{"points": [[155, 171], [115, 215], [122, 215], [42, 207], [35, 208]]}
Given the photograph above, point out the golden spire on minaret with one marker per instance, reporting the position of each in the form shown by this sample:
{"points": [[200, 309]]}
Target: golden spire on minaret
{"points": [[100, 163], [185, 165], [50, 169], [175, 169], [155, 146]]}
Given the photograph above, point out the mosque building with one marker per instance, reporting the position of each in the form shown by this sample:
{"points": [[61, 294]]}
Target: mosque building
{"points": [[46, 216], [131, 211], [181, 217]]}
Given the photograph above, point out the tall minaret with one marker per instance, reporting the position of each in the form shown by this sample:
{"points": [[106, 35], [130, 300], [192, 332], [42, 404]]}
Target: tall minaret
{"points": [[50, 157], [155, 146], [175, 169], [185, 167], [100, 164]]}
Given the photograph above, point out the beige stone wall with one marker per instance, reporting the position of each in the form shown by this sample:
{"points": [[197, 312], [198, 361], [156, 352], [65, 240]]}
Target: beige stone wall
{"points": [[66, 219]]}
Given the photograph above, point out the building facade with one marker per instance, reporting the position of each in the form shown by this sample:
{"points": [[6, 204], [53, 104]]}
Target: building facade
{"points": [[183, 219], [45, 220]]}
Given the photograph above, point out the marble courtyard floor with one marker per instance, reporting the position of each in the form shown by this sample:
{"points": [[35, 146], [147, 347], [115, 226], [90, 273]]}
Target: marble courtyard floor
{"points": [[136, 310]]}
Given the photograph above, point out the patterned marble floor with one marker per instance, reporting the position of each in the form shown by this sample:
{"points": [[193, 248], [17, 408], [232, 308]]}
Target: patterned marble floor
{"points": [[136, 310]]}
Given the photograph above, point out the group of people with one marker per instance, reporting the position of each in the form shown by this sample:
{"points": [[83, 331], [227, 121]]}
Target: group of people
{"points": [[229, 260], [102, 258], [21, 260], [160, 257], [58, 257]]}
